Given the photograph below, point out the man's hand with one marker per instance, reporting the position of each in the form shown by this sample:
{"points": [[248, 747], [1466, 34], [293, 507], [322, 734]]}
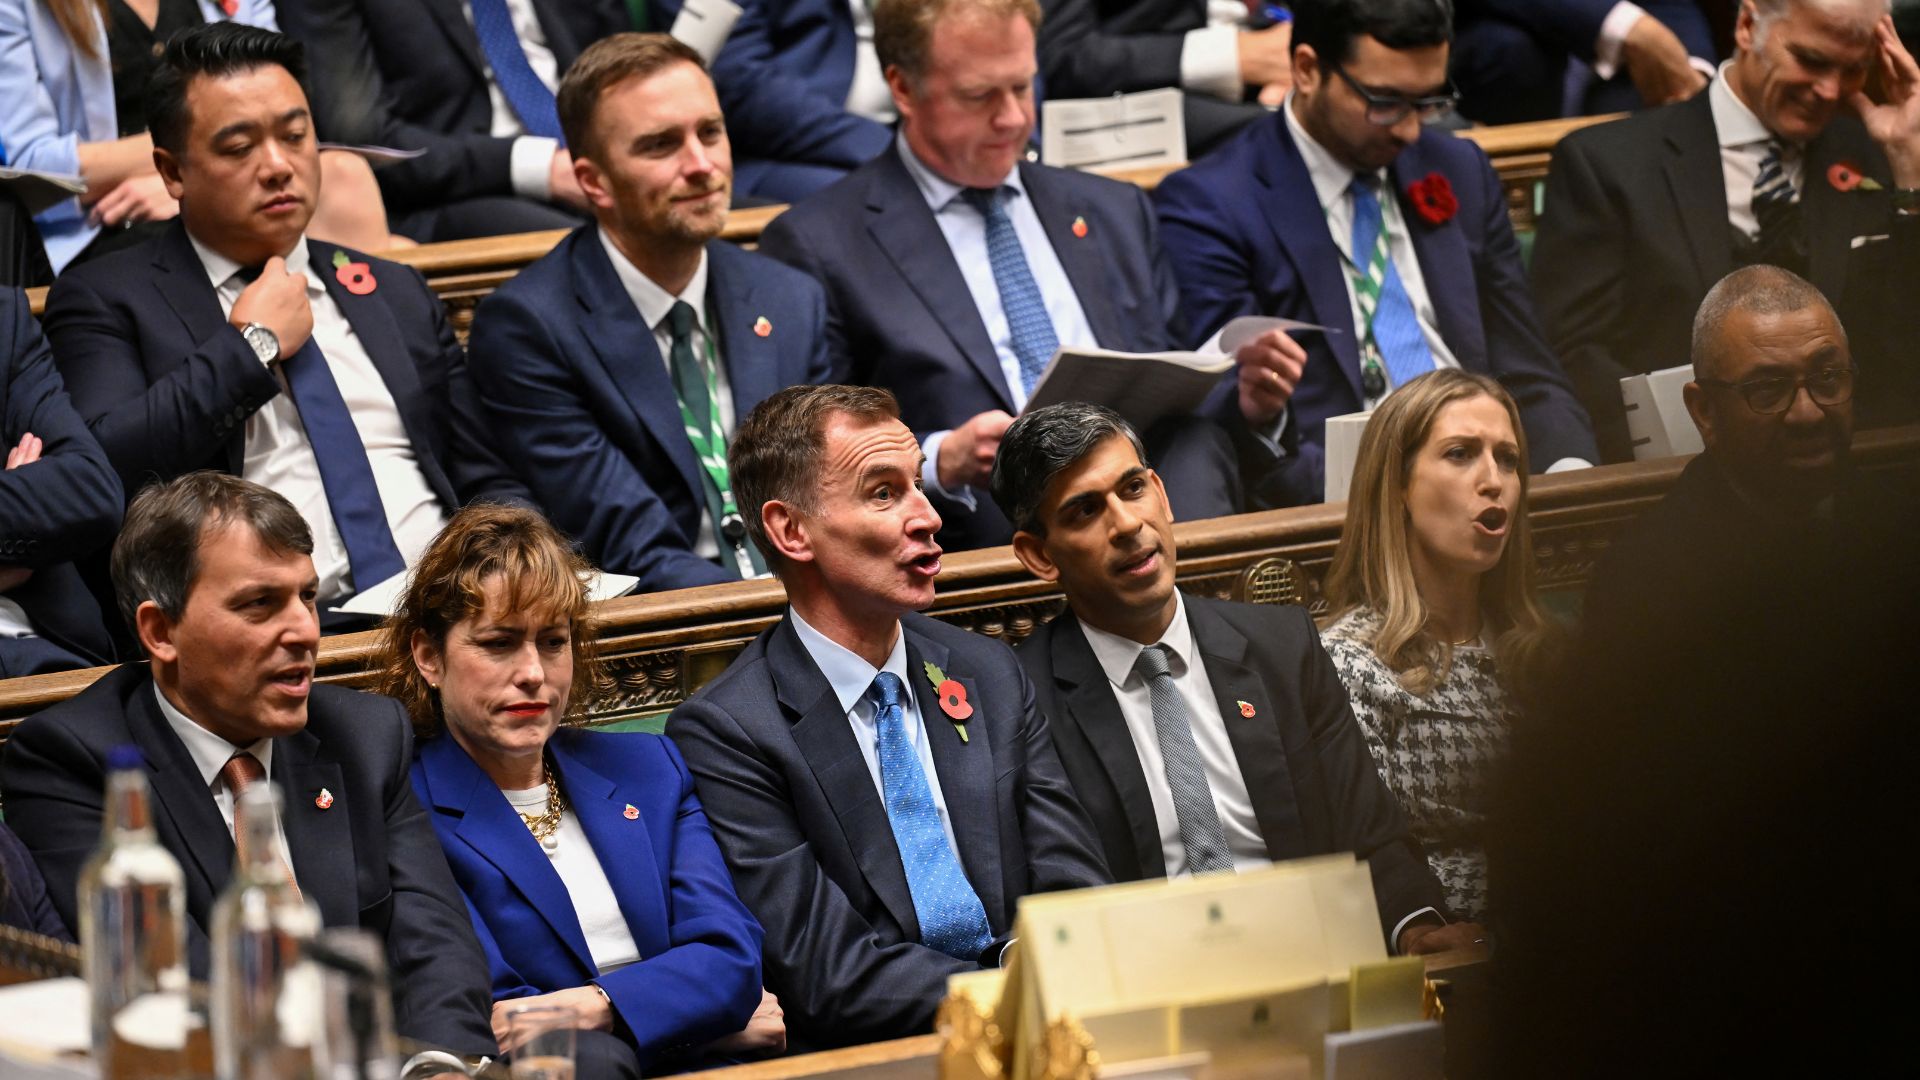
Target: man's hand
{"points": [[1895, 122], [967, 453], [765, 1033], [142, 198], [277, 300], [1270, 367], [1657, 63], [1266, 57], [1425, 938], [591, 1012], [562, 186], [28, 452], [1273, 94]]}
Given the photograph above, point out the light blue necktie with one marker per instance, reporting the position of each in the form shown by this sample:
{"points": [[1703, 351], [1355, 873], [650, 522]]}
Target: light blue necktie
{"points": [[951, 918], [1395, 329], [1034, 341], [530, 98], [346, 475]]}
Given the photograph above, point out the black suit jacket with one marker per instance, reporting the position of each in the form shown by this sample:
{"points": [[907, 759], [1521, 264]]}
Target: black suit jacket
{"points": [[1315, 788], [167, 384], [369, 859], [1635, 232], [803, 827]]}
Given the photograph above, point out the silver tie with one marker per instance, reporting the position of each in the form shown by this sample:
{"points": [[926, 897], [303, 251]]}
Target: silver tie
{"points": [[1200, 830]]}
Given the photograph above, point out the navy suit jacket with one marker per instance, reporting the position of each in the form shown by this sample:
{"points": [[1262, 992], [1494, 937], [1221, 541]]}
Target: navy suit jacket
{"points": [[24, 902], [1314, 787], [699, 973], [900, 316], [1246, 235], [574, 384], [64, 506], [367, 859], [167, 384], [804, 829]]}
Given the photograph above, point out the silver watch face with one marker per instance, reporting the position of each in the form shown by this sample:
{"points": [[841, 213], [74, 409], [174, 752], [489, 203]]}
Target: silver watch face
{"points": [[265, 345]]}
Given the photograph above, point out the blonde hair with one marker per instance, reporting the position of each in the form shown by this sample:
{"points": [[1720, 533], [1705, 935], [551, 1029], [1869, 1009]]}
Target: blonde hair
{"points": [[80, 19], [1373, 564]]}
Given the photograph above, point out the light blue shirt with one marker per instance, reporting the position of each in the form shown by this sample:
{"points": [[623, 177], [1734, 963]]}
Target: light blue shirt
{"points": [[852, 680]]}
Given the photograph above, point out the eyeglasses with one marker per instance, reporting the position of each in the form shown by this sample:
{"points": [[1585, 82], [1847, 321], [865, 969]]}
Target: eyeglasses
{"points": [[1774, 395], [1386, 110]]}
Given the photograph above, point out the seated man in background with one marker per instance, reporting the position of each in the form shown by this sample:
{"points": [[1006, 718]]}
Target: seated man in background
{"points": [[954, 269], [59, 501], [1201, 736], [471, 83], [213, 574], [1783, 160], [628, 442], [1344, 211], [1511, 58], [882, 784], [235, 342]]}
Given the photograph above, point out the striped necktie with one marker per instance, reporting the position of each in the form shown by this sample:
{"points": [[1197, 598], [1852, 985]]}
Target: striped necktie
{"points": [[1392, 325]]}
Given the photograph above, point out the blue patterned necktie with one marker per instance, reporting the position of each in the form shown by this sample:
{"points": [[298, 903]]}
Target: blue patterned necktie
{"points": [[345, 473], [1394, 327], [1029, 324], [530, 98], [1201, 833], [951, 918]]}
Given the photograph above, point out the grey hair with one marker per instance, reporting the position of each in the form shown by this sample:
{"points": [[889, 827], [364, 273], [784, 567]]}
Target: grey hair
{"points": [[157, 556], [1768, 12], [1042, 444], [1760, 290]]}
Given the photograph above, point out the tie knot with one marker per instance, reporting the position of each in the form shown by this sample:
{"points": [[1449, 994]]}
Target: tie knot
{"points": [[888, 690], [240, 772], [1153, 662], [680, 318], [988, 201]]}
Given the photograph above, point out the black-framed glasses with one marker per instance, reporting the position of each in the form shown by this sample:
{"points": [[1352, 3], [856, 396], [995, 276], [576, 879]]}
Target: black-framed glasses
{"points": [[1774, 394], [1386, 110]]}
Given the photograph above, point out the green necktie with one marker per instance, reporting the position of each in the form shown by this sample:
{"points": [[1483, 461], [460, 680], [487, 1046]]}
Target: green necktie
{"points": [[637, 14]]}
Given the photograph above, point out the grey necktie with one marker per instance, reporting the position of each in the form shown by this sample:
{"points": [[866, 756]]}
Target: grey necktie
{"points": [[1200, 830]]}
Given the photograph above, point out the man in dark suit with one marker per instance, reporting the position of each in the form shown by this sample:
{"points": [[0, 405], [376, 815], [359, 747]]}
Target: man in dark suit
{"points": [[1511, 57], [954, 268], [1783, 160], [591, 383], [1271, 223], [214, 575], [881, 784], [59, 501], [1201, 736], [234, 342], [470, 82]]}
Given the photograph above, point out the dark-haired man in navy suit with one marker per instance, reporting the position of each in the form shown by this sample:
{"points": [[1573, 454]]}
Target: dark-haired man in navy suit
{"points": [[592, 383], [233, 342], [1270, 224]]}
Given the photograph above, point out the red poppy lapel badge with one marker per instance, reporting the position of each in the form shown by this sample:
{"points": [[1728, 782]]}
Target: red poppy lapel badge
{"points": [[1846, 176], [953, 698], [631, 813], [1433, 199], [762, 327], [1246, 709], [1080, 227], [355, 277], [231, 7], [324, 800]]}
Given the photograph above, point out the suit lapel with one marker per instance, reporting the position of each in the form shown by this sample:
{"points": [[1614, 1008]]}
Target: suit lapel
{"points": [[1699, 189], [1445, 265], [1092, 710], [752, 361], [452, 16], [1299, 227], [1083, 258], [1257, 744], [178, 792], [1833, 217], [320, 841], [600, 806], [181, 279], [965, 769], [904, 228]]}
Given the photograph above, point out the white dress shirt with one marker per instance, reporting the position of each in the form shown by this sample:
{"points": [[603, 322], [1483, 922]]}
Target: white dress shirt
{"points": [[278, 456], [868, 95], [1210, 55], [653, 303], [852, 680], [532, 155], [1609, 50], [1743, 142], [210, 754], [609, 941], [1117, 656]]}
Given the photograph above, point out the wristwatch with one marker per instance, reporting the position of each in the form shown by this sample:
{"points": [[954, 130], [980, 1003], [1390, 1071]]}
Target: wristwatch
{"points": [[266, 345]]}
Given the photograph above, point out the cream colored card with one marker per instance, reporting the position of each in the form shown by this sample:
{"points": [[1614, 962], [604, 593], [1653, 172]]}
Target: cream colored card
{"points": [[1260, 1034], [1386, 993]]}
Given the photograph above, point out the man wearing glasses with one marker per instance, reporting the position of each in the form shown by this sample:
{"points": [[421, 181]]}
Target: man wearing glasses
{"points": [[1343, 210]]}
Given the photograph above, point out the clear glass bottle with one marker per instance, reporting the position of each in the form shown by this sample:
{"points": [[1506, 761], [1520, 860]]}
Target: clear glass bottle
{"points": [[266, 996], [133, 935]]}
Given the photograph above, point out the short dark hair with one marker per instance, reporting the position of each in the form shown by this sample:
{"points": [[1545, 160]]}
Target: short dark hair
{"points": [[1761, 289], [1331, 25], [605, 64], [777, 449], [1040, 446], [157, 556], [216, 50]]}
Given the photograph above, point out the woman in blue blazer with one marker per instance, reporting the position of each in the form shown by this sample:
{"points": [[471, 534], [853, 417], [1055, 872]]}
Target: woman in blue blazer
{"points": [[584, 856]]}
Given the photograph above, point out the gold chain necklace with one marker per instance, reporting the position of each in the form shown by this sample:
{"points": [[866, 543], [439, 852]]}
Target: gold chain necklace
{"points": [[545, 827]]}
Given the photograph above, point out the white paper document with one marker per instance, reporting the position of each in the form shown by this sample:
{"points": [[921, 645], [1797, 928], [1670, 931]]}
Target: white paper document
{"points": [[1141, 387], [39, 190], [379, 600], [1414, 1051], [703, 25], [1657, 417], [1341, 443], [1125, 131], [51, 1016]]}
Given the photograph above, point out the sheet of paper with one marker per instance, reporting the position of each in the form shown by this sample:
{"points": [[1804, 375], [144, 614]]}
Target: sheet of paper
{"points": [[39, 190], [1657, 417], [1284, 1029], [1239, 331], [1406, 1052], [1126, 131], [1142, 387], [704, 25], [49, 1016], [1341, 444], [379, 600]]}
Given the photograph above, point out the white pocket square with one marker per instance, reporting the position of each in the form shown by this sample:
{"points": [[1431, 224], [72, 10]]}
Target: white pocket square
{"points": [[1862, 241]]}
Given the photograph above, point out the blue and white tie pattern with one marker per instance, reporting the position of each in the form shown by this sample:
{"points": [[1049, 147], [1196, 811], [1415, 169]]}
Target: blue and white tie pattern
{"points": [[1394, 326], [1201, 833], [951, 917], [531, 100], [1771, 186], [1034, 340]]}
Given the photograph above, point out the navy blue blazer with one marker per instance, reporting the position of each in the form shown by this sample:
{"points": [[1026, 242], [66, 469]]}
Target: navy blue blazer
{"points": [[1246, 235], [66, 505], [167, 384], [583, 405], [699, 973], [801, 823], [24, 902]]}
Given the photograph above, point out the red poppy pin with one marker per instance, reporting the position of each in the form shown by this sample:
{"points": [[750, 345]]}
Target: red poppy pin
{"points": [[355, 277], [324, 799], [1080, 227], [231, 7], [1846, 176], [953, 698], [631, 812], [762, 327], [1246, 709], [1433, 199]]}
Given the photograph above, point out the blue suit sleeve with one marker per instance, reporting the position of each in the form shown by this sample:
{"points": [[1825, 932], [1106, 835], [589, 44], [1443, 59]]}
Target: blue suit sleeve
{"points": [[1572, 26], [772, 114], [67, 503]]}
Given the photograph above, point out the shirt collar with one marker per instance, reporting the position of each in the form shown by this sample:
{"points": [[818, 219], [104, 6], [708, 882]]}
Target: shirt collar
{"points": [[210, 752], [1331, 179], [221, 269], [1733, 121], [652, 301], [1117, 654], [936, 189], [849, 675]]}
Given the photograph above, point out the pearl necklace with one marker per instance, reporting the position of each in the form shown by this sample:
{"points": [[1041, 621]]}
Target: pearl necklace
{"points": [[546, 827]]}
